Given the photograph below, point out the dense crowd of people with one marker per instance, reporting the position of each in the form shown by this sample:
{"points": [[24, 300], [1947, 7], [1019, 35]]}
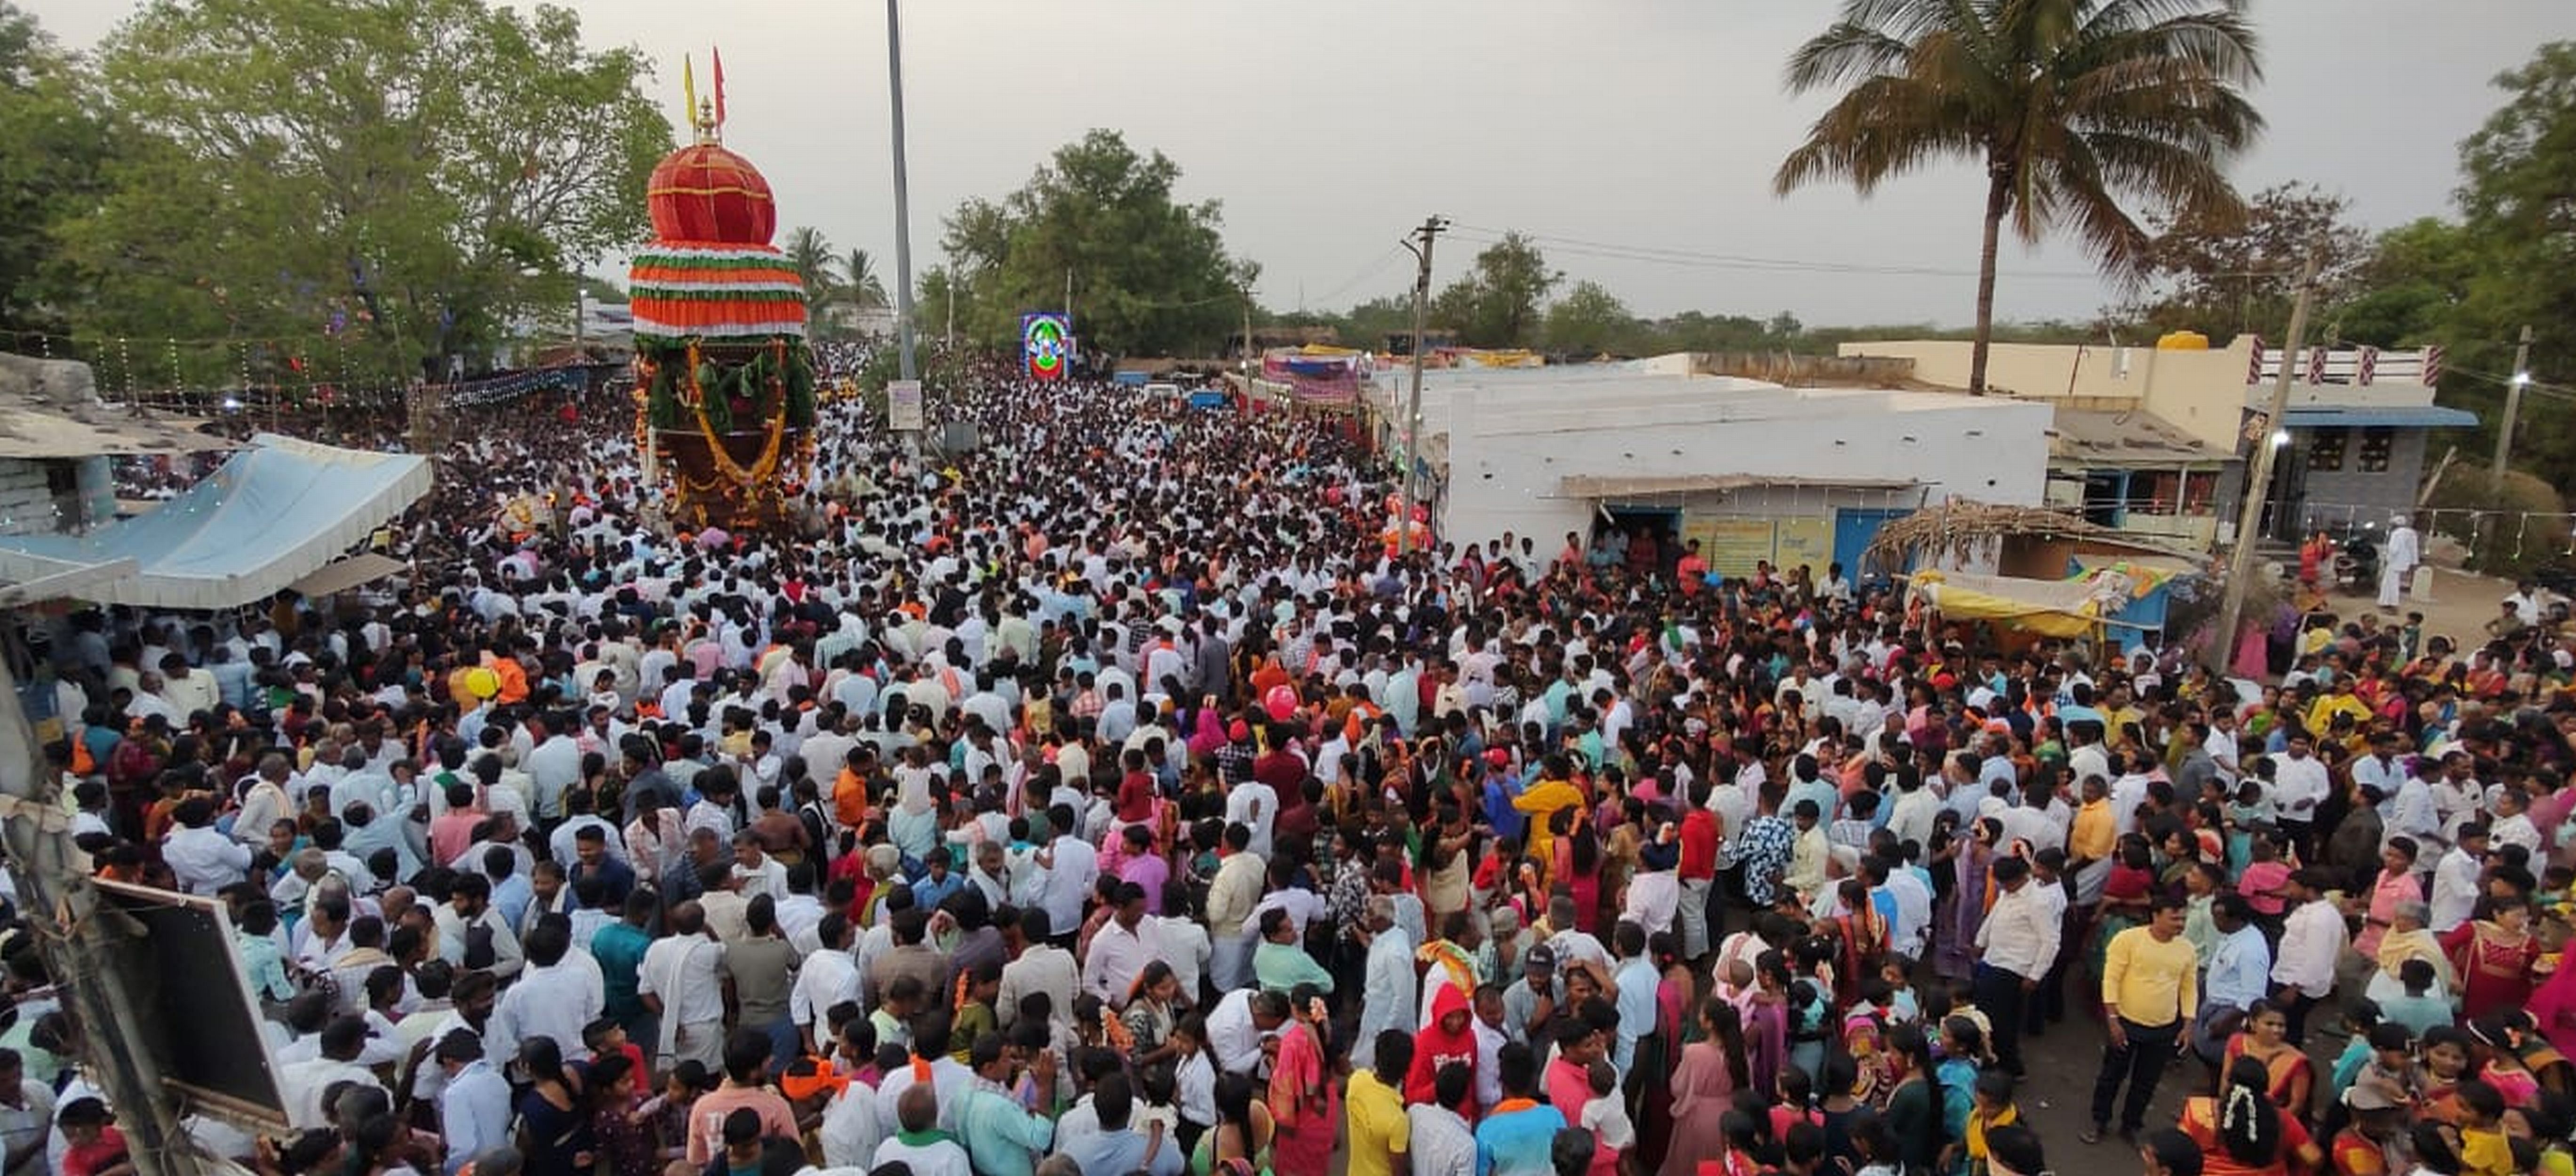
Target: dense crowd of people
{"points": [[1115, 798]]}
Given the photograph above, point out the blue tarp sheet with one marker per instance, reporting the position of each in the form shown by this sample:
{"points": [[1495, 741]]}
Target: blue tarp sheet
{"points": [[273, 514]]}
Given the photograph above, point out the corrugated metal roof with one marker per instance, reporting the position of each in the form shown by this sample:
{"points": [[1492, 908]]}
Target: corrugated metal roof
{"points": [[2095, 438], [34, 431]]}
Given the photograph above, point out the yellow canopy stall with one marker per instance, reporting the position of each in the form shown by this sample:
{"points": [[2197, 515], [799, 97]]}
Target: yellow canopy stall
{"points": [[2075, 607]]}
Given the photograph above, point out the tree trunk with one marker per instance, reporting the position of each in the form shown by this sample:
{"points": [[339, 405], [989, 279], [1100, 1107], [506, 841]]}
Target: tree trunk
{"points": [[1998, 201]]}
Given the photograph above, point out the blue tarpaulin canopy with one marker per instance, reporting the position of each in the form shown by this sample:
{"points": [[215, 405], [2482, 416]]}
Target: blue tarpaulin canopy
{"points": [[275, 513]]}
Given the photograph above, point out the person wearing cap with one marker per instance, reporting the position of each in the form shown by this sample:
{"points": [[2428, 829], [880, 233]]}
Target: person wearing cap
{"points": [[1530, 1003]]}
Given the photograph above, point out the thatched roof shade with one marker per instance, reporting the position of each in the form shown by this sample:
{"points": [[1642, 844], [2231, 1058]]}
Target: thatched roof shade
{"points": [[1956, 530]]}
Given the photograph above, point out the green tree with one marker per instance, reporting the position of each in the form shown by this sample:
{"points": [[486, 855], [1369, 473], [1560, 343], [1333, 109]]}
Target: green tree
{"points": [[809, 252], [2070, 105], [2512, 262], [55, 145], [1589, 320], [2222, 272], [1496, 304], [859, 281], [1149, 274], [405, 168]]}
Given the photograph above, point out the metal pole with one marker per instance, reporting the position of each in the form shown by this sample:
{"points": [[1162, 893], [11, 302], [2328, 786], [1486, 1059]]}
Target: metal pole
{"points": [[2512, 405], [902, 196], [2249, 514], [64, 909], [1429, 232]]}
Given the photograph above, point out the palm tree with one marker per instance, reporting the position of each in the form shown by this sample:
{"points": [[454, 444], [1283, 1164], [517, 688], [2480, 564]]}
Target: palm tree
{"points": [[2070, 105], [810, 254], [859, 281]]}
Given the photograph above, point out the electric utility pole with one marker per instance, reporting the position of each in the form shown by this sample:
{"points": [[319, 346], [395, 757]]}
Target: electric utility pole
{"points": [[2512, 405], [2258, 482], [1430, 231], [902, 197]]}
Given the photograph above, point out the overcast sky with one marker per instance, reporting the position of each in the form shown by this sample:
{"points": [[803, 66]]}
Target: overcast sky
{"points": [[1329, 127]]}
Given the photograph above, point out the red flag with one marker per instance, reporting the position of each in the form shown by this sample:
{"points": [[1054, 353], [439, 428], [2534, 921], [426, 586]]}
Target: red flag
{"points": [[719, 61]]}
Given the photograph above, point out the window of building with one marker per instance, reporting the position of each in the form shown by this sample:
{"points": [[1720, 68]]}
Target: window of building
{"points": [[2376, 445], [2199, 493], [2325, 450]]}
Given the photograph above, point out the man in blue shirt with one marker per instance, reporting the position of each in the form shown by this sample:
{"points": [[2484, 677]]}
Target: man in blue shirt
{"points": [[2239, 971], [1515, 1138]]}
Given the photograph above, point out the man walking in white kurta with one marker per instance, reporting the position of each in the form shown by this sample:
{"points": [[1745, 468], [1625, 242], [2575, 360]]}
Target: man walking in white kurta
{"points": [[2405, 550]]}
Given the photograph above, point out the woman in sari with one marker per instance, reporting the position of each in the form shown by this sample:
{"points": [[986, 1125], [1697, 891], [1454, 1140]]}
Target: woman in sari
{"points": [[1862, 933], [2265, 1038], [2241, 1133], [2492, 959], [1660, 1052], [1968, 899], [1712, 1069], [1304, 1104]]}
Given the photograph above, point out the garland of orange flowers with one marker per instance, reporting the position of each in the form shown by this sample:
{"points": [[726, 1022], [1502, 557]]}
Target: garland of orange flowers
{"points": [[767, 465]]}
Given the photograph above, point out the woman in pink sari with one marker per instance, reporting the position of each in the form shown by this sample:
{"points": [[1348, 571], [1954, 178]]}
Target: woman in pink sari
{"points": [[1304, 1105]]}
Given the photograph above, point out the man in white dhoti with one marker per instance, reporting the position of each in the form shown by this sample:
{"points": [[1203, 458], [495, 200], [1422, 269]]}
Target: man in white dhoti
{"points": [[2397, 561]]}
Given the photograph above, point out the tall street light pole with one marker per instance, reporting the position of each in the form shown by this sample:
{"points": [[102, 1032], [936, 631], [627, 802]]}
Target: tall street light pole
{"points": [[902, 195]]}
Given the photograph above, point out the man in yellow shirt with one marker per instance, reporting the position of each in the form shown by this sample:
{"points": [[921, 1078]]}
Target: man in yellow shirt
{"points": [[1374, 1105], [2150, 984]]}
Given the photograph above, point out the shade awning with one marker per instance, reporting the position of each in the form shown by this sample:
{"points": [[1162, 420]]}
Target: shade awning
{"points": [[1602, 486], [342, 575], [2096, 439], [2409, 416], [275, 513]]}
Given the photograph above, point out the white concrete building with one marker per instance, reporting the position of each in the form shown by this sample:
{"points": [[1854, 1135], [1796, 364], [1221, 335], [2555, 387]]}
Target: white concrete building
{"points": [[1755, 471]]}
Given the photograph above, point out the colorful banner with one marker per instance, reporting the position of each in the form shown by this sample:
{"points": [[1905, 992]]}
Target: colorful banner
{"points": [[1046, 344], [1319, 375]]}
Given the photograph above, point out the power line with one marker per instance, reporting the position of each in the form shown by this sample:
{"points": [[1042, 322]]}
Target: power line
{"points": [[1371, 270]]}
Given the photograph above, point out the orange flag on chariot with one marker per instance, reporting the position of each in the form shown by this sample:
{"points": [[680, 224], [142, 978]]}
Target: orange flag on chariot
{"points": [[718, 55]]}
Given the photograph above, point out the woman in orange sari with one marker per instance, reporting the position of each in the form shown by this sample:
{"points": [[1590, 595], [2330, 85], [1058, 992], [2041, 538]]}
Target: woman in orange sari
{"points": [[2289, 1076], [2241, 1133], [1305, 1106]]}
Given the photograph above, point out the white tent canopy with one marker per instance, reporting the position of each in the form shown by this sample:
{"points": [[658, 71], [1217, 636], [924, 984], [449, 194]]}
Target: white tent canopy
{"points": [[275, 513]]}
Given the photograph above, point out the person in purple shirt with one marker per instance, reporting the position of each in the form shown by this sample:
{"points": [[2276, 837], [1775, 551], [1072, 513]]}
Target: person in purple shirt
{"points": [[1144, 867]]}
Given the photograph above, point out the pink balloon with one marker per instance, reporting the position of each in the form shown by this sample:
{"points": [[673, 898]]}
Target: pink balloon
{"points": [[1281, 702]]}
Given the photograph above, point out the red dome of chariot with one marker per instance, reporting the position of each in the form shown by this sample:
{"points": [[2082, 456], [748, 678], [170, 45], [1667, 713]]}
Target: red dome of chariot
{"points": [[705, 194]]}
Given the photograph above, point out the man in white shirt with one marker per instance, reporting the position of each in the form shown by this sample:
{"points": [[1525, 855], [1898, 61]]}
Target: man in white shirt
{"points": [[2456, 877], [2299, 784], [474, 1101], [2016, 945], [682, 981], [1041, 967], [201, 860], [1073, 867], [559, 994], [2312, 940], [827, 977], [1121, 948]]}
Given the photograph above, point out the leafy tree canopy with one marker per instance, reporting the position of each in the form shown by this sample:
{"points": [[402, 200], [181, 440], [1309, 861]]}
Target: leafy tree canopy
{"points": [[2223, 273], [413, 172], [1150, 275], [1497, 303], [55, 146]]}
